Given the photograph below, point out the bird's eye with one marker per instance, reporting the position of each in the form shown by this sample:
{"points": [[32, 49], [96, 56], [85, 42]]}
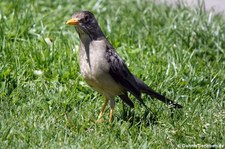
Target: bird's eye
{"points": [[86, 19]]}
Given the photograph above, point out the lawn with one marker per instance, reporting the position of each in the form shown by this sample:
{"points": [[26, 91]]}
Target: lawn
{"points": [[45, 103]]}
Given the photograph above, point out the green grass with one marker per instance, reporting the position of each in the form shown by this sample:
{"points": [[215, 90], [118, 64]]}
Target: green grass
{"points": [[178, 51]]}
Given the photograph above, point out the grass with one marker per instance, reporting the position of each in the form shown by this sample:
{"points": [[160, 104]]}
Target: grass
{"points": [[45, 103]]}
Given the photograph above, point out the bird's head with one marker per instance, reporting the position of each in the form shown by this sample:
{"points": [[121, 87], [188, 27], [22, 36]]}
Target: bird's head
{"points": [[85, 24]]}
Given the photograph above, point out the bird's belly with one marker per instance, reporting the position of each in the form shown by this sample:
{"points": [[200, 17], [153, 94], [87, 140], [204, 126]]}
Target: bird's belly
{"points": [[105, 85], [98, 77]]}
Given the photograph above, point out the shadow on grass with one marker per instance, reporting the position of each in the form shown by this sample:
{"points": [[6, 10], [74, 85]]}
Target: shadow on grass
{"points": [[148, 118]]}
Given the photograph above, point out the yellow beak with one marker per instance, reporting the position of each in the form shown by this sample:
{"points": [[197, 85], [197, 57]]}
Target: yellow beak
{"points": [[72, 22]]}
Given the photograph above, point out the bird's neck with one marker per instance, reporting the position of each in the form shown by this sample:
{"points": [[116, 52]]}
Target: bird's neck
{"points": [[90, 36], [87, 39]]}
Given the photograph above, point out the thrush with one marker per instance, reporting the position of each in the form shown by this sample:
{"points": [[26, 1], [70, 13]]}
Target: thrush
{"points": [[104, 70]]}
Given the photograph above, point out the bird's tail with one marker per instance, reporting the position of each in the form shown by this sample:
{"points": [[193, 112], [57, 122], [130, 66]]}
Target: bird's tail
{"points": [[145, 89]]}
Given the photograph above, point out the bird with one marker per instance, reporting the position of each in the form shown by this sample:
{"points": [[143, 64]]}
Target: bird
{"points": [[104, 70]]}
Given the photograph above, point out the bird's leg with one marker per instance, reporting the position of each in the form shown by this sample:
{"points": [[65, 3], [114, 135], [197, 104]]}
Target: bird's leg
{"points": [[112, 105], [102, 111]]}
